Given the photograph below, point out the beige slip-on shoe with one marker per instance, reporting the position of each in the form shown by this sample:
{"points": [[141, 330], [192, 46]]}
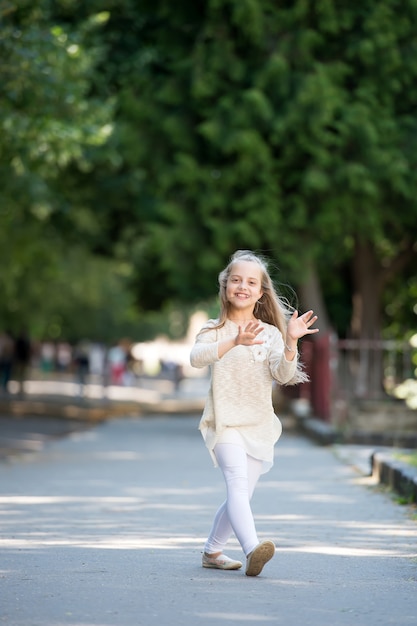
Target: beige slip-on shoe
{"points": [[256, 560], [220, 562]]}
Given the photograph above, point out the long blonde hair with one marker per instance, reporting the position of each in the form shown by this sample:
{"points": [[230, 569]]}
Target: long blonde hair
{"points": [[271, 308]]}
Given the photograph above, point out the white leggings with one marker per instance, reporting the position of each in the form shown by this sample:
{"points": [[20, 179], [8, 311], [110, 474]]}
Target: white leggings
{"points": [[241, 473]]}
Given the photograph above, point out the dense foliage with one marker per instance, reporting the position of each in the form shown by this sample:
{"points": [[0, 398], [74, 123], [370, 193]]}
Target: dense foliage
{"points": [[166, 135]]}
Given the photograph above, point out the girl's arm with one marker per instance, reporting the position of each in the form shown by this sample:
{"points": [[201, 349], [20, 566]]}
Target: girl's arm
{"points": [[298, 327], [282, 367], [205, 350], [247, 336], [284, 360], [208, 350]]}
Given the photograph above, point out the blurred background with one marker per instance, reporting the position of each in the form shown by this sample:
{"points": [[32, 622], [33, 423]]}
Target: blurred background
{"points": [[143, 142]]}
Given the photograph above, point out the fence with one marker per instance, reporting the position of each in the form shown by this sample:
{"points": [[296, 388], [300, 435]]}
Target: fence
{"points": [[353, 370]]}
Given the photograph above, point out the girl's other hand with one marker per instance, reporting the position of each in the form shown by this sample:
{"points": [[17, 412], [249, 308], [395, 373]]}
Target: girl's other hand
{"points": [[300, 326]]}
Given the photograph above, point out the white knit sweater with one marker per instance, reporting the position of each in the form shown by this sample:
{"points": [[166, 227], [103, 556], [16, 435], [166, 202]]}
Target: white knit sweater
{"points": [[240, 394]]}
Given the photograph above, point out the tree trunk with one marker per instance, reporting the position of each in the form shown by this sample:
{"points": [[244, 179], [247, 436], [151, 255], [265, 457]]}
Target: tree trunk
{"points": [[366, 296], [366, 363], [316, 349], [311, 297]]}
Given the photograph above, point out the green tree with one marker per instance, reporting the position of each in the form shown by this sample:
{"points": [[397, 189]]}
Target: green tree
{"points": [[47, 125], [287, 127]]}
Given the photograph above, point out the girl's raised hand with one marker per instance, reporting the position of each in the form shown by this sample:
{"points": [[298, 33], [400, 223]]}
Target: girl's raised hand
{"points": [[300, 326], [248, 336]]}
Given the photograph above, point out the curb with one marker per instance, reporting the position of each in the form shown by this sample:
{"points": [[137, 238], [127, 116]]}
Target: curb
{"points": [[83, 410], [399, 476], [385, 468], [318, 430]]}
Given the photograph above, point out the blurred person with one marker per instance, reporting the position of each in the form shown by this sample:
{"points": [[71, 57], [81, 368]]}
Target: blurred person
{"points": [[251, 344], [97, 360], [7, 350], [178, 376], [117, 364], [63, 356], [47, 356], [22, 358], [173, 370], [82, 365]]}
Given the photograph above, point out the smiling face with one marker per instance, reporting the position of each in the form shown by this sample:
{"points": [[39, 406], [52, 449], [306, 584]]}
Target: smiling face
{"points": [[244, 287]]}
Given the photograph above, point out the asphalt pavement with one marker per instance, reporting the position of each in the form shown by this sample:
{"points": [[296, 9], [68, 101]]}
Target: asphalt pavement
{"points": [[106, 525]]}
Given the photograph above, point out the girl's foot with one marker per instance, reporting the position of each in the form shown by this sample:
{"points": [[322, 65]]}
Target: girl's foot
{"points": [[256, 560], [220, 561]]}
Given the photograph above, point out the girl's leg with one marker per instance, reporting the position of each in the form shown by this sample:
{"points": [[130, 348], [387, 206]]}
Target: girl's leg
{"points": [[241, 473]]}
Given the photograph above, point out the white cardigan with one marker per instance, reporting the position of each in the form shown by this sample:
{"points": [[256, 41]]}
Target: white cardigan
{"points": [[240, 394]]}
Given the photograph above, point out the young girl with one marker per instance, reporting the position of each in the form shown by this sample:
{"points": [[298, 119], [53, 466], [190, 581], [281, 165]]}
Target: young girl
{"points": [[253, 342]]}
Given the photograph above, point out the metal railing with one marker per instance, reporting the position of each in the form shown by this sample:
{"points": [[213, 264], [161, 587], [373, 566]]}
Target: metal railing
{"points": [[369, 369]]}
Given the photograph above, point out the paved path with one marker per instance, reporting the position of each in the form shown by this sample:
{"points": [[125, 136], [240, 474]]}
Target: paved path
{"points": [[106, 526]]}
